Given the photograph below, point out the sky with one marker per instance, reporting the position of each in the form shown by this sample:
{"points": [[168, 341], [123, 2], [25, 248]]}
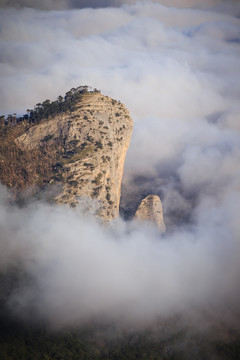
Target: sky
{"points": [[176, 68]]}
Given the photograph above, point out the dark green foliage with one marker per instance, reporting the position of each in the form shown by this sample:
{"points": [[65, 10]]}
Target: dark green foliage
{"points": [[58, 177], [73, 117], [170, 339], [73, 143], [96, 191], [19, 342], [99, 144], [50, 108], [73, 183], [90, 166], [89, 138], [47, 137], [97, 180]]}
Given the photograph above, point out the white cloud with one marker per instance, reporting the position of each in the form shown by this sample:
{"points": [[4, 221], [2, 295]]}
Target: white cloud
{"points": [[128, 274]]}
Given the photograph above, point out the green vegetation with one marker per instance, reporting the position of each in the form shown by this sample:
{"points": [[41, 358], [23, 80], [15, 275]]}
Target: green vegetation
{"points": [[89, 166], [89, 138], [96, 191], [48, 108], [76, 154], [47, 137], [22, 342], [97, 180], [173, 338], [99, 144], [108, 197], [21, 168], [73, 183]]}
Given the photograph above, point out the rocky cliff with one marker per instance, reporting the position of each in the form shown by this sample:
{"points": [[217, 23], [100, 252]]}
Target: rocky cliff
{"points": [[90, 144], [150, 210]]}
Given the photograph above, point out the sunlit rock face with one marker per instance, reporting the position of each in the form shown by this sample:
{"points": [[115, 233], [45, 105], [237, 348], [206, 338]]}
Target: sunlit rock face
{"points": [[150, 210], [92, 141]]}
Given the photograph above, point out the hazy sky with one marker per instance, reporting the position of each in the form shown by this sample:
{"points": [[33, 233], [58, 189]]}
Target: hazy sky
{"points": [[215, 5], [177, 71]]}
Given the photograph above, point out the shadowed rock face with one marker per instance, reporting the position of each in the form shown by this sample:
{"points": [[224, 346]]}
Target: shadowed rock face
{"points": [[92, 142], [150, 210]]}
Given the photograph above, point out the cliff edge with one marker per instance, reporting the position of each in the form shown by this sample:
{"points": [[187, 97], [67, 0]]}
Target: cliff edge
{"points": [[90, 143]]}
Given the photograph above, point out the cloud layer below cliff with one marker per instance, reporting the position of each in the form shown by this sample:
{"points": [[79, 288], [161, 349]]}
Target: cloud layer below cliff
{"points": [[72, 270], [176, 70]]}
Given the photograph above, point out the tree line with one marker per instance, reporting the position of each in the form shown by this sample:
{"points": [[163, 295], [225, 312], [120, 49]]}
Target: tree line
{"points": [[49, 108]]}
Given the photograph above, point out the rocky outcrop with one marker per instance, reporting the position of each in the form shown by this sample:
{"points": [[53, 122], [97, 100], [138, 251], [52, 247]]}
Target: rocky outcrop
{"points": [[150, 210], [91, 142]]}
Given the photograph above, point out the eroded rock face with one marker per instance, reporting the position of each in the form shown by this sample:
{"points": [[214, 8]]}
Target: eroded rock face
{"points": [[150, 210], [93, 141]]}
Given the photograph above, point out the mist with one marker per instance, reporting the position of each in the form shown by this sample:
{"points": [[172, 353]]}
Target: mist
{"points": [[176, 70], [126, 273], [215, 5]]}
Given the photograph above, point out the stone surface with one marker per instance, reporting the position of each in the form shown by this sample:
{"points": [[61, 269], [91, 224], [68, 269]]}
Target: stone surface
{"points": [[93, 140], [150, 209]]}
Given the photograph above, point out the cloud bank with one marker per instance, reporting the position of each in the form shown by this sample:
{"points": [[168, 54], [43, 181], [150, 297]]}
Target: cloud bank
{"points": [[79, 271], [216, 5], [176, 69]]}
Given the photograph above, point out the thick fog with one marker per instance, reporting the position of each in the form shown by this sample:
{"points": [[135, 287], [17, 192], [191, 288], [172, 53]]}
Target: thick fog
{"points": [[177, 71], [73, 270]]}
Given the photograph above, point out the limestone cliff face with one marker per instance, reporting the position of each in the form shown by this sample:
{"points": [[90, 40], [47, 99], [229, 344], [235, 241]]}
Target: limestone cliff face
{"points": [[150, 210], [92, 142]]}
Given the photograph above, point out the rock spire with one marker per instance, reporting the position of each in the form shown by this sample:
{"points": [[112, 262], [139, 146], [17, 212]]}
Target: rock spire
{"points": [[150, 209]]}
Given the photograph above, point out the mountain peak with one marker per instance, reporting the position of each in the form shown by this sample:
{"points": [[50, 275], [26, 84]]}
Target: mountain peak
{"points": [[90, 143]]}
